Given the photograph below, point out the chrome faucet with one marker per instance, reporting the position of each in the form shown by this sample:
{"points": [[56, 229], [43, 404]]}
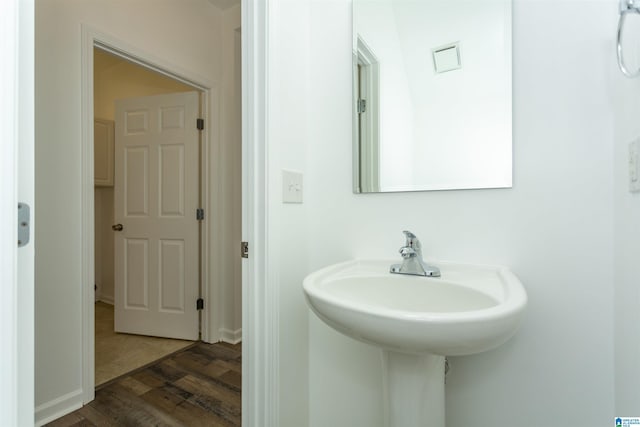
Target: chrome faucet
{"points": [[412, 262]]}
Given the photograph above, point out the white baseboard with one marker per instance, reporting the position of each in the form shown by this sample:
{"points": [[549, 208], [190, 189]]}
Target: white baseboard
{"points": [[59, 407], [231, 337], [106, 299]]}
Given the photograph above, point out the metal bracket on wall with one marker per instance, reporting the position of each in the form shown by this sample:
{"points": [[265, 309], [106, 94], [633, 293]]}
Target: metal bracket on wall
{"points": [[24, 224], [244, 249], [362, 106]]}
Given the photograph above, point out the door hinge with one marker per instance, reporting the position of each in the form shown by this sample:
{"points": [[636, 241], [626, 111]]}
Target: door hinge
{"points": [[361, 106], [244, 249], [24, 224], [199, 214], [200, 124], [199, 304]]}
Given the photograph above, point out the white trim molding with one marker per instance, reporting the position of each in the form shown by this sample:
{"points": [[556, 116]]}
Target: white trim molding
{"points": [[26, 194], [366, 124], [59, 407], [106, 300], [229, 336], [87, 225], [260, 364]]}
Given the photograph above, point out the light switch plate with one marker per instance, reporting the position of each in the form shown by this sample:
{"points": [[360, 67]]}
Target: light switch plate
{"points": [[291, 187], [634, 172]]}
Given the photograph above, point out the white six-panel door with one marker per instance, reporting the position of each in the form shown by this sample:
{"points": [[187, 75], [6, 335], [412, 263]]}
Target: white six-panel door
{"points": [[156, 198]]}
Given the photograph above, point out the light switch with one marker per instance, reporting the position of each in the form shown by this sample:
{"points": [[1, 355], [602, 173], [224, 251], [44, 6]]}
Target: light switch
{"points": [[291, 187], [634, 173]]}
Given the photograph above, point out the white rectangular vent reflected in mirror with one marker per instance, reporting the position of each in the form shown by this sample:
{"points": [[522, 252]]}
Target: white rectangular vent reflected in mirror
{"points": [[446, 58]]}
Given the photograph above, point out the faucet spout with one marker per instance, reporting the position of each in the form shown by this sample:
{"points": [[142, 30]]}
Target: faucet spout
{"points": [[412, 262]]}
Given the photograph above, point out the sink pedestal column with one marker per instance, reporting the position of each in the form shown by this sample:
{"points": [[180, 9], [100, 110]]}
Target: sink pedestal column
{"points": [[414, 389]]}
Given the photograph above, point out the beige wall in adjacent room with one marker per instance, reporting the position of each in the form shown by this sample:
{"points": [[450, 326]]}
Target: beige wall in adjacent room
{"points": [[115, 78], [229, 272]]}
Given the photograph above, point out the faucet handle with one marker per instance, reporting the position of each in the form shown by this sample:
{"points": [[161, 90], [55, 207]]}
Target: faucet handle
{"points": [[412, 240], [409, 234]]}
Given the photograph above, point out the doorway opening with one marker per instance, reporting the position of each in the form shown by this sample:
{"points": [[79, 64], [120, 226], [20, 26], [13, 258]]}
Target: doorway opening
{"points": [[366, 86], [147, 175], [220, 171]]}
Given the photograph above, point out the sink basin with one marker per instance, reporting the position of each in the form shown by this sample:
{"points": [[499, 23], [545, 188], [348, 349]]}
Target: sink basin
{"points": [[469, 309], [417, 321]]}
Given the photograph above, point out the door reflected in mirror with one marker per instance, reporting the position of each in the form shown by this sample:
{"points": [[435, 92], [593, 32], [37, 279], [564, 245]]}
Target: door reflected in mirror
{"points": [[431, 95]]}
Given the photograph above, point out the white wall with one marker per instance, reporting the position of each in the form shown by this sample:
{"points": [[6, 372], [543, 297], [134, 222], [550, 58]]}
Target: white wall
{"points": [[187, 34], [624, 99], [554, 228], [469, 108], [288, 243]]}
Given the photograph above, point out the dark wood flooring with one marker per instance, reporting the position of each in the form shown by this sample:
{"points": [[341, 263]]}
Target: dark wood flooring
{"points": [[199, 386]]}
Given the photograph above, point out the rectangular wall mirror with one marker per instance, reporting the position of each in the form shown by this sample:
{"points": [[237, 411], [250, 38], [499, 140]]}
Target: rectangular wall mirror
{"points": [[431, 95]]}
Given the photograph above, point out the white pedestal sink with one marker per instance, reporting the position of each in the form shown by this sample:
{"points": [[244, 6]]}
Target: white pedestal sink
{"points": [[417, 321]]}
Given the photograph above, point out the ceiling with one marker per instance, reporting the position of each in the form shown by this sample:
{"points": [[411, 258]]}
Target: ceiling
{"points": [[224, 4]]}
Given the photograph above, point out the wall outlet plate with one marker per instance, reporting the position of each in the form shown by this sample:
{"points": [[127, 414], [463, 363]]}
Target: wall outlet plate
{"points": [[291, 187]]}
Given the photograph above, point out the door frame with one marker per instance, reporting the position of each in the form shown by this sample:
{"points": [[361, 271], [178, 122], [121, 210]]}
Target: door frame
{"points": [[260, 333], [210, 289], [17, 184]]}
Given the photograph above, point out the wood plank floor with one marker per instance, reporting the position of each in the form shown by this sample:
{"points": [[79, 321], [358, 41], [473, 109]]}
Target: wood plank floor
{"points": [[199, 386]]}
